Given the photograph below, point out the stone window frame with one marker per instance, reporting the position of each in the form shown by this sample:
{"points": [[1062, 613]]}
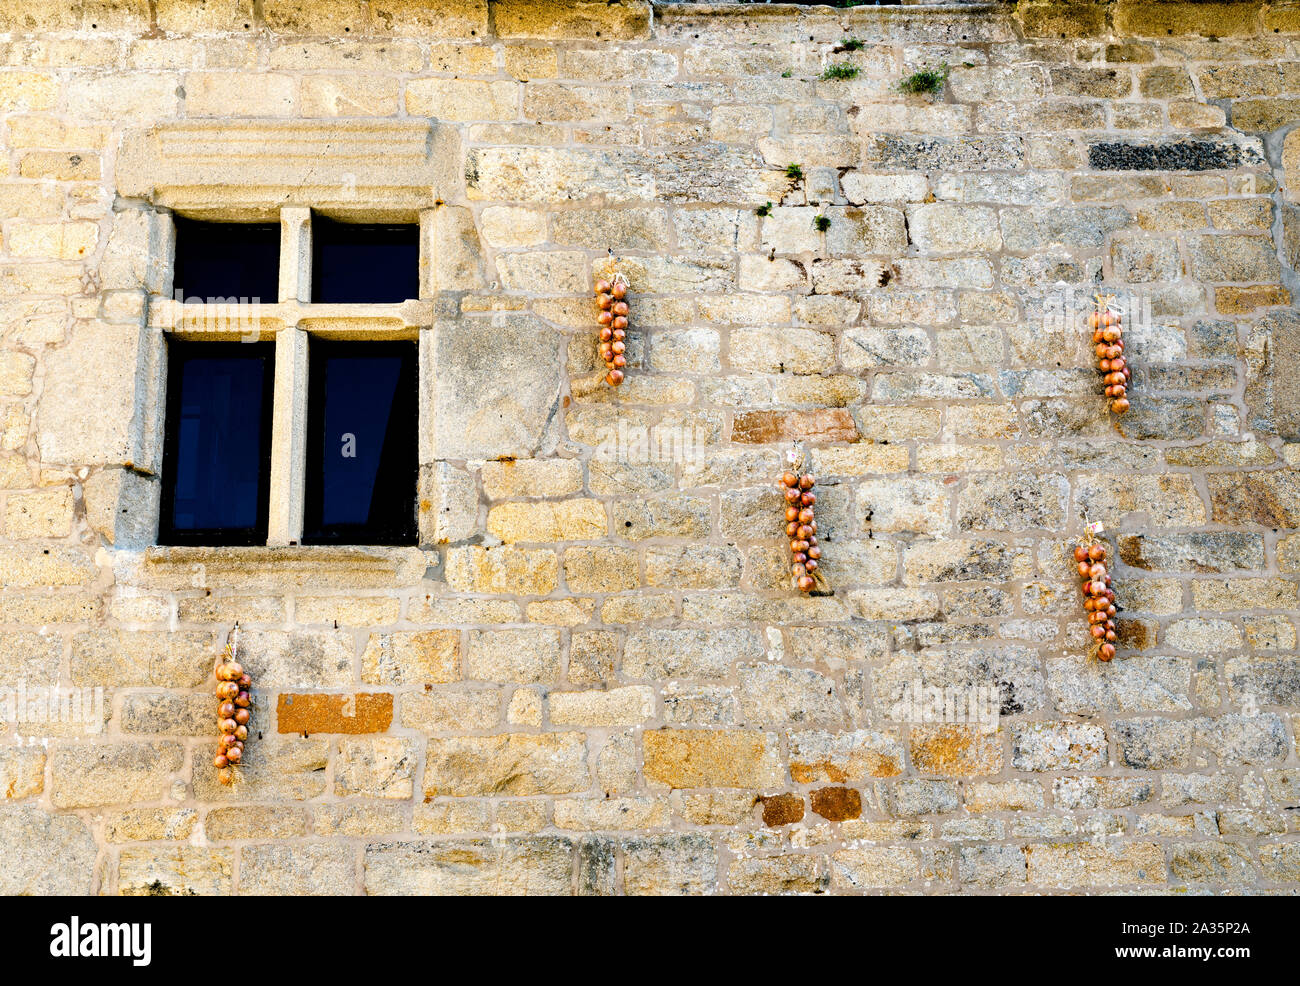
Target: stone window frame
{"points": [[291, 322], [253, 170]]}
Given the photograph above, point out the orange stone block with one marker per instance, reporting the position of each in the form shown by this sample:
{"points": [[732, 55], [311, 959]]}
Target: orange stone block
{"points": [[364, 712], [827, 424], [955, 751], [1242, 301], [837, 804], [782, 809]]}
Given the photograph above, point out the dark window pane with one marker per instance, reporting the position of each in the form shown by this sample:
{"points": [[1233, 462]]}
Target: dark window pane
{"points": [[364, 263], [361, 443], [217, 446], [227, 260]]}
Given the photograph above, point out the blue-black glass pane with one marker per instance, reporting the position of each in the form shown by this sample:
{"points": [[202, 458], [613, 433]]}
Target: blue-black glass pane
{"points": [[227, 260], [355, 263], [362, 457], [216, 467]]}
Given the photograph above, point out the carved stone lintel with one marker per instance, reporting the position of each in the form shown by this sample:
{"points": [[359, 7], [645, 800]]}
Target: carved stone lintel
{"points": [[372, 170]]}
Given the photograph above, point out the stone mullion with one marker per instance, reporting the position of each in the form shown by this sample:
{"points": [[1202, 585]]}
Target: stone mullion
{"points": [[288, 437], [295, 254], [289, 406]]}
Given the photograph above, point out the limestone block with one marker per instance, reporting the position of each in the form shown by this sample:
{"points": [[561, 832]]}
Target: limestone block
{"points": [[53, 240], [22, 772], [122, 506], [495, 388], [464, 867], [448, 503], [511, 226], [324, 95], [687, 758], [137, 253], [211, 16], [513, 764], [61, 165], [115, 369], [411, 657], [126, 96], [50, 854], [165, 871], [45, 513], [1283, 371], [583, 19], [419, 18], [463, 99], [316, 868], [113, 773], [670, 865], [455, 255]]}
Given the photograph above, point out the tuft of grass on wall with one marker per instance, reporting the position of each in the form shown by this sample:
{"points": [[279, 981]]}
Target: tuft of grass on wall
{"points": [[927, 81], [840, 70]]}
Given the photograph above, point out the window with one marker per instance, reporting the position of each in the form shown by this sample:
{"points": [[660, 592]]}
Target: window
{"points": [[226, 261], [306, 431], [361, 443], [364, 263], [217, 443]]}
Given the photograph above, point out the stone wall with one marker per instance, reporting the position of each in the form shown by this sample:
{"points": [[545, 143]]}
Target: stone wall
{"points": [[593, 677]]}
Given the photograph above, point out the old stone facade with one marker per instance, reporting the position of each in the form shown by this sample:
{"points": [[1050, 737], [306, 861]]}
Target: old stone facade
{"points": [[591, 676]]}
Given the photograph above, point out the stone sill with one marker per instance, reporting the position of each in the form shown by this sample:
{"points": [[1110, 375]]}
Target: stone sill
{"points": [[279, 567]]}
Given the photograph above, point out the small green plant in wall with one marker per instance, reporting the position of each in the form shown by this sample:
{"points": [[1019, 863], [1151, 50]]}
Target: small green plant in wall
{"points": [[927, 81], [794, 172], [765, 209], [840, 70], [821, 223]]}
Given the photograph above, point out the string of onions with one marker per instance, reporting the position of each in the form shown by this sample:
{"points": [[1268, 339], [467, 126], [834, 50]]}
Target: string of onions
{"points": [[1108, 340], [234, 710], [801, 526], [1098, 596], [611, 299]]}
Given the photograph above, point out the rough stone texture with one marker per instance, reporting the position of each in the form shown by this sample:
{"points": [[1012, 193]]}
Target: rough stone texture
{"points": [[299, 870], [590, 676], [503, 400], [52, 854], [176, 871], [526, 866]]}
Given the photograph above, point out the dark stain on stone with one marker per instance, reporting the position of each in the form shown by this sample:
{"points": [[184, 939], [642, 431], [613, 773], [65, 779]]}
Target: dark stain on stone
{"points": [[1010, 704], [1134, 634], [1178, 155], [1268, 499]]}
